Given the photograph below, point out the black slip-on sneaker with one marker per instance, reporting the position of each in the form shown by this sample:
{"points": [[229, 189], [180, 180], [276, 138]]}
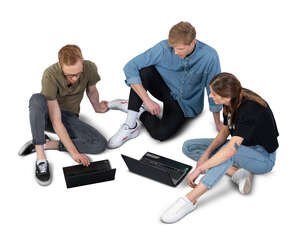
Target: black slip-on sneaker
{"points": [[29, 147], [42, 173]]}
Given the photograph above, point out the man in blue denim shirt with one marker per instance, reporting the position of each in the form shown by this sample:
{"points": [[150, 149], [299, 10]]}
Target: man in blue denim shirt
{"points": [[174, 71]]}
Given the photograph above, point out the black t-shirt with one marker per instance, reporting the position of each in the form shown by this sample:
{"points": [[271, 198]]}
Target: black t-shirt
{"points": [[255, 124]]}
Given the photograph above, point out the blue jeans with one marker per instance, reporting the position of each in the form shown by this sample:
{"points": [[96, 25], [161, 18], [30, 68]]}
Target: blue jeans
{"points": [[85, 138], [252, 158]]}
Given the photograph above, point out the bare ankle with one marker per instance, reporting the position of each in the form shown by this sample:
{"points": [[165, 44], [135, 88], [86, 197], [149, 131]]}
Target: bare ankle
{"points": [[191, 198], [51, 145]]}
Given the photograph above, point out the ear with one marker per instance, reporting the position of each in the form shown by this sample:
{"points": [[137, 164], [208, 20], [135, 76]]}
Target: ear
{"points": [[227, 100]]}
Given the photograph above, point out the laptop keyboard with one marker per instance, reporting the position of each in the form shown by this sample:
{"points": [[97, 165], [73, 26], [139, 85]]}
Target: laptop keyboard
{"points": [[174, 172]]}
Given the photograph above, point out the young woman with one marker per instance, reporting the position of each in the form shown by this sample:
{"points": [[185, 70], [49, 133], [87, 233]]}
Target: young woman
{"points": [[251, 149]]}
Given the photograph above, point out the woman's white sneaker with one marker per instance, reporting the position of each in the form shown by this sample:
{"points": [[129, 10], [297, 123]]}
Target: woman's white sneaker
{"points": [[124, 134], [181, 207], [243, 178]]}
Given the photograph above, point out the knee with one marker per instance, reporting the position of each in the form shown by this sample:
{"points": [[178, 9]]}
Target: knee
{"points": [[185, 147], [147, 70], [148, 74], [195, 145], [161, 134], [270, 167], [37, 100], [98, 146], [102, 145]]}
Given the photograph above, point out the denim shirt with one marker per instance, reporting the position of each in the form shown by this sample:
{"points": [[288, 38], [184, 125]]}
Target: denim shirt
{"points": [[186, 78]]}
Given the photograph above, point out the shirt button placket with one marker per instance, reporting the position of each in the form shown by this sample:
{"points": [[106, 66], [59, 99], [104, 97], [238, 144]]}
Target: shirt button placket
{"points": [[186, 69], [183, 80]]}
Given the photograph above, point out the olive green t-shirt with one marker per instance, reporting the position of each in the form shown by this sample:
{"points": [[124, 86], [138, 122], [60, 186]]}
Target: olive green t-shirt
{"points": [[55, 86]]}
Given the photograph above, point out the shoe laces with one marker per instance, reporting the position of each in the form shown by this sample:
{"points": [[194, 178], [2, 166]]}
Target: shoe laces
{"points": [[42, 167]]}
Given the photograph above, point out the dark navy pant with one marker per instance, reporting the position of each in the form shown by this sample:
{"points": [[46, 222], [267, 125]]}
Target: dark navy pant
{"points": [[85, 138]]}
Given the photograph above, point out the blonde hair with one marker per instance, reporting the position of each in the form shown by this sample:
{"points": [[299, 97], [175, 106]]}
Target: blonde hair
{"points": [[69, 55], [182, 32]]}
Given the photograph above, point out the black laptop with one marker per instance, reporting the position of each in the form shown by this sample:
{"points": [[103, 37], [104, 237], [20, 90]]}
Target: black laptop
{"points": [[158, 168], [96, 172]]}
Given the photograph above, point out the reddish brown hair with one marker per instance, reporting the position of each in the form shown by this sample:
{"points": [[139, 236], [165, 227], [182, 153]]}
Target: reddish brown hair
{"points": [[69, 55]]}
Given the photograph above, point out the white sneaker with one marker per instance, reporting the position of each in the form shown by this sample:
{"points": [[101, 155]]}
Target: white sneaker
{"points": [[178, 210], [243, 178], [124, 134], [141, 110], [118, 104]]}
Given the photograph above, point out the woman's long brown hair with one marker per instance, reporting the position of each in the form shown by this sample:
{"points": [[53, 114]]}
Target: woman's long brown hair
{"points": [[227, 85]]}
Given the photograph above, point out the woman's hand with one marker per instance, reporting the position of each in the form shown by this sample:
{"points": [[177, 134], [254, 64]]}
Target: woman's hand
{"points": [[198, 170], [193, 176]]}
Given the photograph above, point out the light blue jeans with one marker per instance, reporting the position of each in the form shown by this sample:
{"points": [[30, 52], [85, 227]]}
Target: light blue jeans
{"points": [[252, 158]]}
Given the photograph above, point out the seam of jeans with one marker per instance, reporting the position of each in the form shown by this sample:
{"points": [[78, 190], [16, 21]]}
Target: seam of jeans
{"points": [[217, 178]]}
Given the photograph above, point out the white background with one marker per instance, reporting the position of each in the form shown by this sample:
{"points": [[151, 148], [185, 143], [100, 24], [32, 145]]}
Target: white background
{"points": [[258, 41]]}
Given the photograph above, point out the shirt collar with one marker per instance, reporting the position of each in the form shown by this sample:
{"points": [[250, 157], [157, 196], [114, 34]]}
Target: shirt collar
{"points": [[65, 81], [193, 52]]}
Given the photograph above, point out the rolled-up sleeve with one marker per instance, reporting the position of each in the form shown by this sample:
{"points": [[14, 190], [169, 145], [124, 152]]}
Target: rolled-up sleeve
{"points": [[150, 57], [245, 128], [214, 68], [49, 87], [94, 75]]}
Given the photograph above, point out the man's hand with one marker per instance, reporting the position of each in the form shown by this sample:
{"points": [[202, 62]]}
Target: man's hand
{"points": [[103, 106], [93, 95], [81, 158], [152, 107]]}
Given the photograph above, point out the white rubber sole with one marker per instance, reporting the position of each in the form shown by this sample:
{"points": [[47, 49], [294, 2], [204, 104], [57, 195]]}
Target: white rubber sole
{"points": [[246, 188], [46, 183]]}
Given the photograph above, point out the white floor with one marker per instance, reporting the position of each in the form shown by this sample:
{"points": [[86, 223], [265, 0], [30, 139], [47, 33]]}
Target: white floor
{"points": [[257, 42]]}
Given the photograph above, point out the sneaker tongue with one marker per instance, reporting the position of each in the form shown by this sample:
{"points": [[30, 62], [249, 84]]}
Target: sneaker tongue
{"points": [[42, 167], [126, 127]]}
